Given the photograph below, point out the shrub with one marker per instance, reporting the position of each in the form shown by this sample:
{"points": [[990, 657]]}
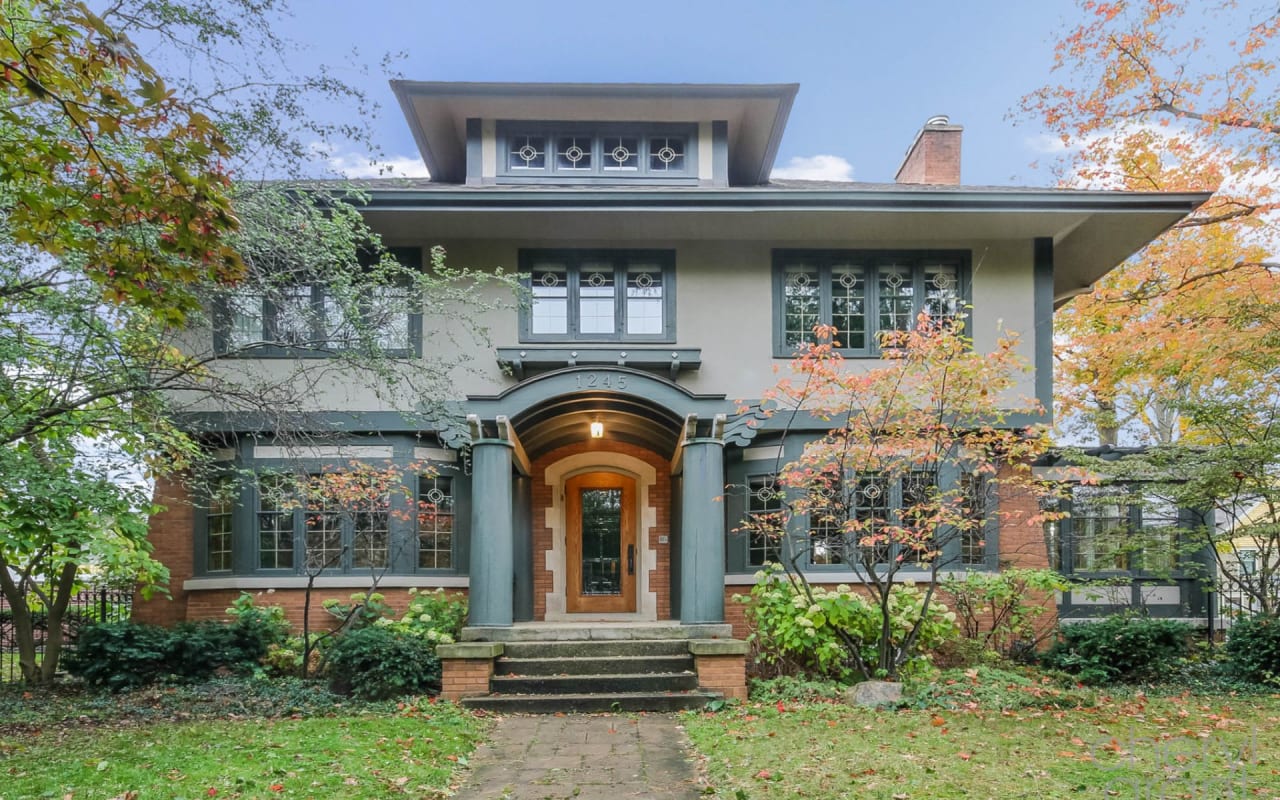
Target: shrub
{"points": [[267, 624], [120, 655], [1253, 649], [995, 608], [126, 655], [376, 664], [361, 610], [794, 634], [1119, 649], [434, 617]]}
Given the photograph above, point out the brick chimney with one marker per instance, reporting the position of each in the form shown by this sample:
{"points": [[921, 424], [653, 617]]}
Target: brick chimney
{"points": [[934, 156]]}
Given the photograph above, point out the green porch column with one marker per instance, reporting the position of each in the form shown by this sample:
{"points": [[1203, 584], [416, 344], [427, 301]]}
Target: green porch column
{"points": [[492, 536], [702, 532]]}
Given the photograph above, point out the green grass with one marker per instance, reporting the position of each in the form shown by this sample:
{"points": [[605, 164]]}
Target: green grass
{"points": [[1201, 747], [203, 741]]}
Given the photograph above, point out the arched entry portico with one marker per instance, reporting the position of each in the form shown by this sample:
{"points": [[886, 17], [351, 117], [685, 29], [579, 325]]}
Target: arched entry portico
{"points": [[664, 440]]}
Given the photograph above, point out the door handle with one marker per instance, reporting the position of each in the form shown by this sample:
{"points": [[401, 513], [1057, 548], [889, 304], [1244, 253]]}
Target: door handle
{"points": [[631, 559]]}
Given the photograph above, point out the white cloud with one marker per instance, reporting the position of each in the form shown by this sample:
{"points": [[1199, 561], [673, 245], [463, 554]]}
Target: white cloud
{"points": [[815, 168], [354, 165], [1046, 144]]}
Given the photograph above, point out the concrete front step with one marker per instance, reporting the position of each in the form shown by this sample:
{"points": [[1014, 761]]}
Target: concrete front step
{"points": [[595, 630], [605, 665], [601, 649], [586, 703], [594, 684]]}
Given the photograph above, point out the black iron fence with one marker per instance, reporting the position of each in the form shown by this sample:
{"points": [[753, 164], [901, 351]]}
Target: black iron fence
{"points": [[91, 605]]}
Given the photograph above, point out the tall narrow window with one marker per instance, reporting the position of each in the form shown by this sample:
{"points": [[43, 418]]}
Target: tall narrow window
{"points": [[550, 311], [275, 523], [1099, 523], [435, 522], [848, 307], [764, 507], [973, 546], [802, 306], [1159, 536], [872, 510], [597, 313], [323, 533], [827, 515], [222, 502], [645, 305], [371, 534], [918, 517], [897, 298]]}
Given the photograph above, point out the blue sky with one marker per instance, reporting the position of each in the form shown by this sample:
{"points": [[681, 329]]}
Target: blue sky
{"points": [[870, 73]]}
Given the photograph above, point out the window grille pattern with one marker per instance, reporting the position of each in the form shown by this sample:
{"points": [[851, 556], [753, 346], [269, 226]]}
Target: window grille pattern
{"points": [[863, 295], [872, 511], [597, 300], [973, 546], [219, 521], [275, 523], [323, 534], [764, 506], [1100, 522], [644, 300], [371, 535], [435, 522], [590, 152], [918, 517]]}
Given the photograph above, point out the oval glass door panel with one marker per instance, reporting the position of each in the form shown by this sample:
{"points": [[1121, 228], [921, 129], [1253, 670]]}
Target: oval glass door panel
{"points": [[601, 541]]}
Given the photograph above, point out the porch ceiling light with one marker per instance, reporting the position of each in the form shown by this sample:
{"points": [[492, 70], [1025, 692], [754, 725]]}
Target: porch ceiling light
{"points": [[597, 430]]}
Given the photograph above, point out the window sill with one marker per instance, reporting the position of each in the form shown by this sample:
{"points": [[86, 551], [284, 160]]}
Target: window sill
{"points": [[525, 358], [264, 352], [326, 582]]}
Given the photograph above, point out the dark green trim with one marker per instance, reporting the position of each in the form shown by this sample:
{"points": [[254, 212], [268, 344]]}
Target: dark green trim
{"points": [[573, 261], [448, 198], [720, 153], [1042, 314], [672, 360], [574, 381], [475, 151]]}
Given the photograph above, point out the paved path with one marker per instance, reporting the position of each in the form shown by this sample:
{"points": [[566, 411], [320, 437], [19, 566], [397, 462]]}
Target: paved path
{"points": [[583, 757]]}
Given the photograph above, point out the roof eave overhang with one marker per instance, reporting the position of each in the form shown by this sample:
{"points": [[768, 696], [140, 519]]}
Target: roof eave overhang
{"points": [[436, 112]]}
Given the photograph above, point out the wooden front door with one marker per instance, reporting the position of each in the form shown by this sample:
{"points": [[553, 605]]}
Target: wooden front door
{"points": [[600, 534]]}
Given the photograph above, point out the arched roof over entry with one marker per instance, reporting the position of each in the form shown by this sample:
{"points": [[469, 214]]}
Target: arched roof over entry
{"points": [[557, 408]]}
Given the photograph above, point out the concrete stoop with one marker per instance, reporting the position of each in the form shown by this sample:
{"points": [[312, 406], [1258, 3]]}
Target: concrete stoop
{"points": [[593, 675]]}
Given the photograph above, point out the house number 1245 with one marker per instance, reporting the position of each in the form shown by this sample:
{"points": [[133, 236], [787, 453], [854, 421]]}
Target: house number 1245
{"points": [[601, 380]]}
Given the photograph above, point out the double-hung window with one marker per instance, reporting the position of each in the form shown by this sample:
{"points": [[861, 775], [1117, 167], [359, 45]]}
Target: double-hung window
{"points": [[599, 295], [334, 536], [1100, 529], [222, 502], [862, 294]]}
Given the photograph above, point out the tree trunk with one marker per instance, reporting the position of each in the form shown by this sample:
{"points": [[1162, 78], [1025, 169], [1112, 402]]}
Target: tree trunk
{"points": [[62, 591], [23, 626]]}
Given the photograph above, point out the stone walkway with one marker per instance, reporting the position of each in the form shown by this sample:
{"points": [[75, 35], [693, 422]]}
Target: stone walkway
{"points": [[583, 757]]}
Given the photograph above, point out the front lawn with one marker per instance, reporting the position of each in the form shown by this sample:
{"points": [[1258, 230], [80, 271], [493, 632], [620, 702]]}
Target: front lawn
{"points": [[168, 743], [1190, 746]]}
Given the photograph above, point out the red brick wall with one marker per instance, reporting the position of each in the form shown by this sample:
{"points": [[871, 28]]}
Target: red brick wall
{"points": [[213, 603], [170, 537], [659, 499], [724, 674], [465, 677], [934, 158]]}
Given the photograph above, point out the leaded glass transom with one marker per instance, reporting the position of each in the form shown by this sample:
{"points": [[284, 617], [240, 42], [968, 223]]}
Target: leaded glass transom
{"points": [[621, 153], [573, 153], [528, 152], [666, 154]]}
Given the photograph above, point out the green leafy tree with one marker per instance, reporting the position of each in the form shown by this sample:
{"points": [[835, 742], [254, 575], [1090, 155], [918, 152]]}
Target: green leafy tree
{"points": [[124, 250]]}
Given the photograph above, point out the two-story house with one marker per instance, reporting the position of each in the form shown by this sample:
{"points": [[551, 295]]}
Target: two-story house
{"points": [[582, 474]]}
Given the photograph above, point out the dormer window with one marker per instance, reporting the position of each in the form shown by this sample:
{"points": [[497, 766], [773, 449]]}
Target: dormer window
{"points": [[599, 153]]}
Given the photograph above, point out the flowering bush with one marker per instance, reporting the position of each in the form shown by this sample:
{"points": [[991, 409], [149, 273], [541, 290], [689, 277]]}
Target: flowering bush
{"points": [[793, 631], [431, 616]]}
